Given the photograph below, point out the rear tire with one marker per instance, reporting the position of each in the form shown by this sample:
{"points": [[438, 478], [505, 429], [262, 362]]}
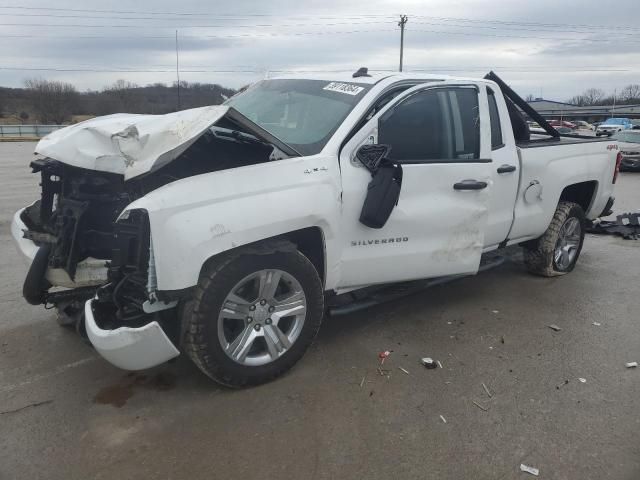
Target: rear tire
{"points": [[558, 249], [238, 332]]}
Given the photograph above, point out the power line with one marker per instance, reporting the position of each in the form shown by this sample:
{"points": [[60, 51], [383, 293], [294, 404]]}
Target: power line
{"points": [[355, 16], [296, 71], [538, 24], [190, 14], [269, 25]]}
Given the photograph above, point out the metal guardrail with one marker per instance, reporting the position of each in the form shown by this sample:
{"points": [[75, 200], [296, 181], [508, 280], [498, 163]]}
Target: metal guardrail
{"points": [[27, 130]]}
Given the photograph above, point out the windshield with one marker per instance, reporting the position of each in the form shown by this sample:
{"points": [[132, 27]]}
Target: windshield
{"points": [[629, 137], [302, 113], [616, 121]]}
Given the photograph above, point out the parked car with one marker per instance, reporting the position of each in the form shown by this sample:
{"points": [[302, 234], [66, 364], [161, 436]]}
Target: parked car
{"points": [[582, 125], [224, 232], [629, 143], [613, 125], [562, 123]]}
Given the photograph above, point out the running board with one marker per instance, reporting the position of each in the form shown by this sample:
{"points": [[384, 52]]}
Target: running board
{"points": [[392, 292]]}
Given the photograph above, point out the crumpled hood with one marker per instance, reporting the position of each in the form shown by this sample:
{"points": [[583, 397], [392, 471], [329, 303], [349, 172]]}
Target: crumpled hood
{"points": [[129, 144]]}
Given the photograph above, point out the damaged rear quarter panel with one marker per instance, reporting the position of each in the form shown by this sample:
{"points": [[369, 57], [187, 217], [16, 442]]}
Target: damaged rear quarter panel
{"points": [[198, 217]]}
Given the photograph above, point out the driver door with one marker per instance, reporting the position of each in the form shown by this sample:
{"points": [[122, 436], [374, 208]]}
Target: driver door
{"points": [[440, 136]]}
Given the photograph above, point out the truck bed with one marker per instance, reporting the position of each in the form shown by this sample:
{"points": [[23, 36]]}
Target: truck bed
{"points": [[544, 140]]}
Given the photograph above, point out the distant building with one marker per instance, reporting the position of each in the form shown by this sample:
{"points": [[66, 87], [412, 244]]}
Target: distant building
{"points": [[565, 111]]}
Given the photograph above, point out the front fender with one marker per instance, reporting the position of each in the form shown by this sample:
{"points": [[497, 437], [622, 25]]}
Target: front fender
{"points": [[198, 217]]}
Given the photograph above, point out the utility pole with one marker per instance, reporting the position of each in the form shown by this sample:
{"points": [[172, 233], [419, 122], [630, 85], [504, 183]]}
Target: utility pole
{"points": [[401, 24], [178, 70], [615, 94]]}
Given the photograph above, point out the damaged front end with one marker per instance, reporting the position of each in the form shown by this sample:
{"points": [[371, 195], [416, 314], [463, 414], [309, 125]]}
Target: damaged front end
{"points": [[91, 257]]}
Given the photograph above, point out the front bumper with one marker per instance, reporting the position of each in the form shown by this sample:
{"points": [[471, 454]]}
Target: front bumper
{"points": [[130, 348], [89, 272]]}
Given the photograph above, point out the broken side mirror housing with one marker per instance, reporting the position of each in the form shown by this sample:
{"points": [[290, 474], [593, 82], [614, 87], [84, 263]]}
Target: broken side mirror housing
{"points": [[383, 191]]}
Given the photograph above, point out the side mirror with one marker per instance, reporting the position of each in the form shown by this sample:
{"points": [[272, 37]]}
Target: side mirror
{"points": [[371, 155]]}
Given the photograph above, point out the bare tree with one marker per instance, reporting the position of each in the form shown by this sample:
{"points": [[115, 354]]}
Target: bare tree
{"points": [[53, 101], [121, 96], [591, 96], [530, 98], [630, 94]]}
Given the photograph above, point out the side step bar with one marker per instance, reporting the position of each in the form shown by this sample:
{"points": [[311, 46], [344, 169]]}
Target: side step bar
{"points": [[388, 293]]}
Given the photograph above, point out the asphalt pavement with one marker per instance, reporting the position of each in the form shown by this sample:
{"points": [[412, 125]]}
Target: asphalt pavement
{"points": [[67, 414]]}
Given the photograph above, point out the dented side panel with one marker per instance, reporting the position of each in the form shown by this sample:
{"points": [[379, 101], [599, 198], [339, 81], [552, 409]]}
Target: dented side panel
{"points": [[196, 218]]}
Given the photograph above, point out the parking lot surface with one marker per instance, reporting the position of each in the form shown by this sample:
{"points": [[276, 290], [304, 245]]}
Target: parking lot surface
{"points": [[67, 414]]}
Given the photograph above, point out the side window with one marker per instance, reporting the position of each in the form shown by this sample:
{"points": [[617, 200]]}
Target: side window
{"points": [[435, 125], [496, 129]]}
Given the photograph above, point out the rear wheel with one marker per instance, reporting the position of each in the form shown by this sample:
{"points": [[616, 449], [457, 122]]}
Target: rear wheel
{"points": [[557, 251], [254, 316]]}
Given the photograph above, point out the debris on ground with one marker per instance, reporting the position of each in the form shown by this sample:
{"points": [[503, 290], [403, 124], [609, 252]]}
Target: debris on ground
{"points": [[502, 339], [555, 328], [533, 471], [444, 420], [487, 390], [383, 356], [597, 324], [440, 364], [495, 311], [428, 363], [481, 407], [562, 384], [631, 364], [403, 370], [626, 225], [362, 381], [582, 380]]}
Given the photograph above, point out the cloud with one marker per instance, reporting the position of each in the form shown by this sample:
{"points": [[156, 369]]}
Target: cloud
{"points": [[559, 48]]}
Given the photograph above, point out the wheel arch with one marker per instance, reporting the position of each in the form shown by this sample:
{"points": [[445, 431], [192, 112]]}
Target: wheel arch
{"points": [[582, 193], [310, 241]]}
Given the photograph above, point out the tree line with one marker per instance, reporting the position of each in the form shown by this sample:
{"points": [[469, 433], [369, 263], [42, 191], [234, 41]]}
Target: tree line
{"points": [[629, 95], [55, 102]]}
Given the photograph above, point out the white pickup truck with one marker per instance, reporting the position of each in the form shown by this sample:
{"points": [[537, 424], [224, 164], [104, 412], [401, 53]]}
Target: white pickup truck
{"points": [[225, 231]]}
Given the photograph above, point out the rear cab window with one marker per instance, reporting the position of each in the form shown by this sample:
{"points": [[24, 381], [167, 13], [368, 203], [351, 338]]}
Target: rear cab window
{"points": [[494, 118]]}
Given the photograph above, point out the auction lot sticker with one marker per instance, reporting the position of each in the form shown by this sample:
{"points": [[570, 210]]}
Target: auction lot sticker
{"points": [[347, 88]]}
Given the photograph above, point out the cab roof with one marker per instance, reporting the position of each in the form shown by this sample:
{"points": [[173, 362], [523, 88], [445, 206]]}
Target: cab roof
{"points": [[372, 79]]}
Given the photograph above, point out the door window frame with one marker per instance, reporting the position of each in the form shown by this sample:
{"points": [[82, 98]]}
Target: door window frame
{"points": [[478, 91]]}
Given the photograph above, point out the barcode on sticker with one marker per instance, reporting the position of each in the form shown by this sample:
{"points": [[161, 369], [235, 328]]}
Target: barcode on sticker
{"points": [[347, 88]]}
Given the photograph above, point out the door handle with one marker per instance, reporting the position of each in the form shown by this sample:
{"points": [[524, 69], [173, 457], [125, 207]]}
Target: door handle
{"points": [[506, 168], [469, 185]]}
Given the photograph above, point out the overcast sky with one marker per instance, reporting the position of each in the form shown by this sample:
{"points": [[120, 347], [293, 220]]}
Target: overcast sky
{"points": [[548, 48]]}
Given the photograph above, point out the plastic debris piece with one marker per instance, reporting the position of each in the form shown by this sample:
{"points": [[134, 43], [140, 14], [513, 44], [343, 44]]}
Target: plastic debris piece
{"points": [[582, 380], [382, 356], [403, 370], [481, 407], [439, 364], [555, 328], [362, 382], [631, 364], [533, 471], [495, 311], [566, 382], [444, 420], [487, 390], [597, 324], [428, 363]]}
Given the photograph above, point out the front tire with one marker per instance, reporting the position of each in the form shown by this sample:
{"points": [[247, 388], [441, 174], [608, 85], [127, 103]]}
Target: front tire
{"points": [[254, 315], [557, 251]]}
